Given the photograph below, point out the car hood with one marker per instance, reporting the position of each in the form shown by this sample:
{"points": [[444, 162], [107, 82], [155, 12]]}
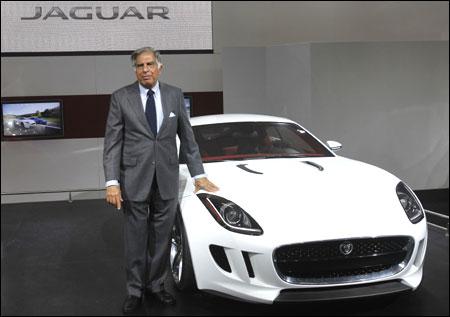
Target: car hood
{"points": [[313, 198]]}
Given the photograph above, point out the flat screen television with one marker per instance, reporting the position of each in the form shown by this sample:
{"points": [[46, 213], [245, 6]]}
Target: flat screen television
{"points": [[23, 120], [188, 104]]}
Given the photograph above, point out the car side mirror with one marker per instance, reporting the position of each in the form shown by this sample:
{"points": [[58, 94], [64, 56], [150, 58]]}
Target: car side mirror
{"points": [[334, 146]]}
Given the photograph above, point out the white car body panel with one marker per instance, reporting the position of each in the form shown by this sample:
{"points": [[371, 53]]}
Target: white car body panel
{"points": [[293, 202]]}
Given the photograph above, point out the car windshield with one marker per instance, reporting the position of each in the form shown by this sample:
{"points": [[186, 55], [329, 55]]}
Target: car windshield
{"points": [[255, 140]]}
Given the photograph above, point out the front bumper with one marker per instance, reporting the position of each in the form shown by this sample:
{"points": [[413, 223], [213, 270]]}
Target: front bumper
{"points": [[342, 293], [261, 282]]}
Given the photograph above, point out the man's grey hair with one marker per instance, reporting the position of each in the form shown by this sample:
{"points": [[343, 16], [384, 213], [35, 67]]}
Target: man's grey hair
{"points": [[139, 51]]}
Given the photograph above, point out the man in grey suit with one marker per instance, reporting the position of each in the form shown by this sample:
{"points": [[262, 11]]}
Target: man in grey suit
{"points": [[141, 170]]}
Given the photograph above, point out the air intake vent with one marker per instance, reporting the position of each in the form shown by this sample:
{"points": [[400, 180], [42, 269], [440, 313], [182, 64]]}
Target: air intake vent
{"points": [[219, 256], [248, 264]]}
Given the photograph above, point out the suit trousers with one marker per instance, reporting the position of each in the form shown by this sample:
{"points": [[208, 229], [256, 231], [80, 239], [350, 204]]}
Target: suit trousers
{"points": [[147, 233]]}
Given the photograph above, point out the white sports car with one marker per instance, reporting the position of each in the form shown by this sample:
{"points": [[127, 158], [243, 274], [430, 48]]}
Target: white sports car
{"points": [[292, 220], [24, 122]]}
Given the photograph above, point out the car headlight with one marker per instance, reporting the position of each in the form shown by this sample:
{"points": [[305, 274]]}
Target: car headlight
{"points": [[410, 203], [229, 215]]}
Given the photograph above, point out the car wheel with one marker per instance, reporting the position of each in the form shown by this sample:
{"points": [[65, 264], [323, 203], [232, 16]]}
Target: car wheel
{"points": [[180, 258]]}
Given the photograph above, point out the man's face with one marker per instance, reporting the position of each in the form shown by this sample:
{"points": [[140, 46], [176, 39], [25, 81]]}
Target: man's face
{"points": [[147, 71]]}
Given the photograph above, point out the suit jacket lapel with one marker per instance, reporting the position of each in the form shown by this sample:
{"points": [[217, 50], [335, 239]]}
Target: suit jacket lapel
{"points": [[164, 103]]}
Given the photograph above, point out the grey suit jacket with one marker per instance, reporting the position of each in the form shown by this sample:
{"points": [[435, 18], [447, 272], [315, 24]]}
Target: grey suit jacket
{"points": [[132, 154]]}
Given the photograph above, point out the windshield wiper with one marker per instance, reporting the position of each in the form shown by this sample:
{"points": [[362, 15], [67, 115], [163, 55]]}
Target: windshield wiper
{"points": [[288, 156], [298, 155], [238, 159]]}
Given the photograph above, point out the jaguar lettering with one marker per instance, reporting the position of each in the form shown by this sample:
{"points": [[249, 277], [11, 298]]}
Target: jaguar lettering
{"points": [[86, 13]]}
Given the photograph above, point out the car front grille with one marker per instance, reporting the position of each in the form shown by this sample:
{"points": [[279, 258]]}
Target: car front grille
{"points": [[343, 261]]}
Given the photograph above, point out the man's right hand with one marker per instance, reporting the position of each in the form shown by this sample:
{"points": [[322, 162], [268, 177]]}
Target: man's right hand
{"points": [[113, 196]]}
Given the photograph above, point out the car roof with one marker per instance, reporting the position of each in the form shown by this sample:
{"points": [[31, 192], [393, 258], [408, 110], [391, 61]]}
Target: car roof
{"points": [[235, 117]]}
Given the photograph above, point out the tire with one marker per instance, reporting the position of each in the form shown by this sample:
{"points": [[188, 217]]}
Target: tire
{"points": [[180, 258]]}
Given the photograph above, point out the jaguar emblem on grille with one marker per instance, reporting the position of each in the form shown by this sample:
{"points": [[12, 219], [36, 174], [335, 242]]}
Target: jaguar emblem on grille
{"points": [[346, 248]]}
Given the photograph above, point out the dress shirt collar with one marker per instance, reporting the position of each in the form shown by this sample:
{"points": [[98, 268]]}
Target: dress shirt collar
{"points": [[143, 90]]}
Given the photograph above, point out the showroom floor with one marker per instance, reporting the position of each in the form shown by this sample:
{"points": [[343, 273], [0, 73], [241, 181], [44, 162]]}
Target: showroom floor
{"points": [[61, 258]]}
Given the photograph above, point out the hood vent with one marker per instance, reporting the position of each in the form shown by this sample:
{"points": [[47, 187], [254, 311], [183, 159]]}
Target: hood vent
{"points": [[243, 167], [320, 168]]}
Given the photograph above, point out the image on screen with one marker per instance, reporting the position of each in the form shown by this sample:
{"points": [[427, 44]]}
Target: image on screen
{"points": [[32, 119]]}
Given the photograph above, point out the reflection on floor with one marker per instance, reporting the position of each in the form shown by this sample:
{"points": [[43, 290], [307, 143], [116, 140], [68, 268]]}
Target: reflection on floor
{"points": [[61, 258]]}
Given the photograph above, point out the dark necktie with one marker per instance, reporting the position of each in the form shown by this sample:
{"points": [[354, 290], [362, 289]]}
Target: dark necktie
{"points": [[150, 111]]}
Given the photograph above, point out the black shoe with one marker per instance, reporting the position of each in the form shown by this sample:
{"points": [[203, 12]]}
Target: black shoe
{"points": [[164, 297], [131, 304]]}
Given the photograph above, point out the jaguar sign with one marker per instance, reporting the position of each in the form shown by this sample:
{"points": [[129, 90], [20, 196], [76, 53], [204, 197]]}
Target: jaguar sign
{"points": [[104, 27]]}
